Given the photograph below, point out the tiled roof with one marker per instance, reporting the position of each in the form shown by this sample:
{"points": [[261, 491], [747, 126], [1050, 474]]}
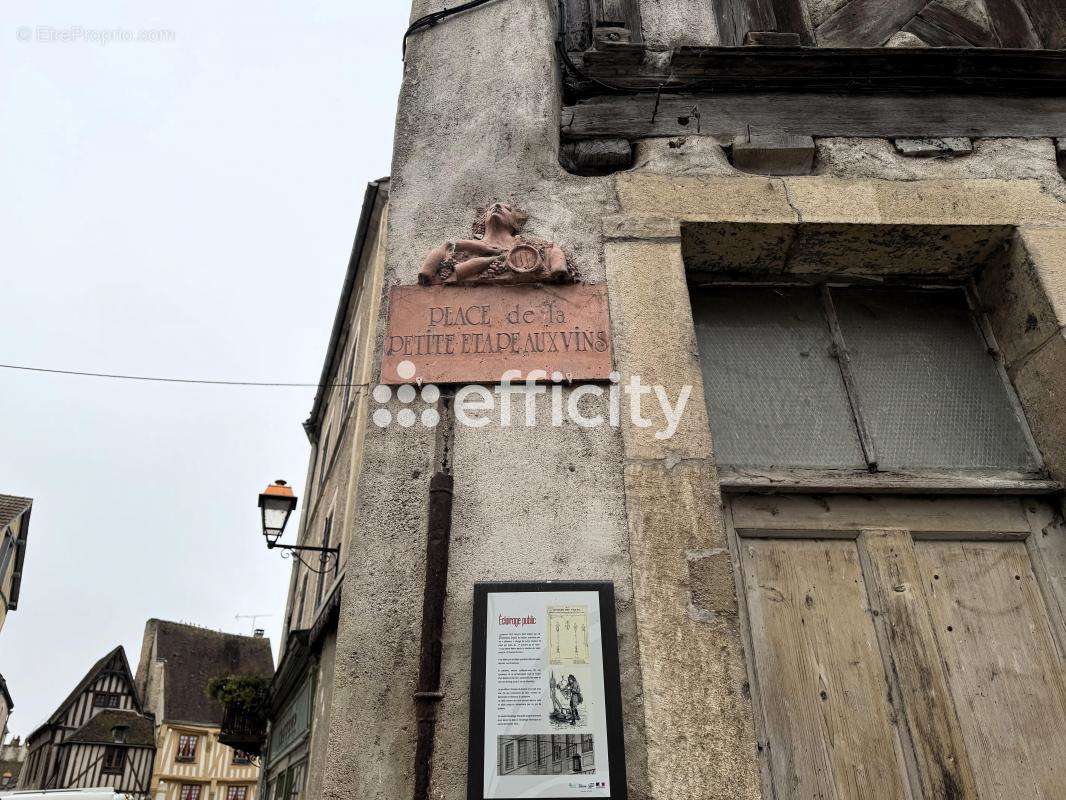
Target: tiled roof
{"points": [[84, 683], [193, 656], [11, 506], [140, 729]]}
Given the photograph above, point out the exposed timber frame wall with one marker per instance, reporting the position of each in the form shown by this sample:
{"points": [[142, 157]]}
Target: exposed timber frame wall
{"points": [[682, 569], [628, 91], [583, 17]]}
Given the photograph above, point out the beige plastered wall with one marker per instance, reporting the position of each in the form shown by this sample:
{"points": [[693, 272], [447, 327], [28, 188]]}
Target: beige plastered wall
{"points": [[697, 709]]}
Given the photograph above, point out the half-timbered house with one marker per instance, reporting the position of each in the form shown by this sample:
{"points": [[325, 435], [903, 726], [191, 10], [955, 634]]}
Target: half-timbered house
{"points": [[98, 736], [177, 663]]}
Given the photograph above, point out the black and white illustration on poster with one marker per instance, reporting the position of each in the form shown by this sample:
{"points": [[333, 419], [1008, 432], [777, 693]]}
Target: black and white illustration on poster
{"points": [[545, 718]]}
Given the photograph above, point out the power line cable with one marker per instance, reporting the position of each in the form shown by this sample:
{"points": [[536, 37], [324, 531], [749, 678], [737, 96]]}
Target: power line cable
{"points": [[429, 20], [155, 379]]}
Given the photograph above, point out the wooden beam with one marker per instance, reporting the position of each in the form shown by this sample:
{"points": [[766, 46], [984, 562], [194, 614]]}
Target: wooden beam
{"points": [[939, 14], [865, 115], [1011, 23], [737, 17], [867, 23], [596, 156], [771, 39], [791, 17], [774, 154], [619, 12], [819, 514], [933, 34], [921, 70], [1049, 19], [578, 24], [845, 481]]}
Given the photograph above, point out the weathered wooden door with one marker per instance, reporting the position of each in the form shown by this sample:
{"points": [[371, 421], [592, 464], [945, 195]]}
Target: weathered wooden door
{"points": [[905, 649]]}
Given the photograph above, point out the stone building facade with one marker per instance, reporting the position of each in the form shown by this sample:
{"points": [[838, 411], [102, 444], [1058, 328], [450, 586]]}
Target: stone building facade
{"points": [[296, 751], [842, 575], [177, 664]]}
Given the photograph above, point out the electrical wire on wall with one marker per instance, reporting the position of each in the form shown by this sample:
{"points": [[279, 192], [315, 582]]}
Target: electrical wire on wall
{"points": [[429, 20]]}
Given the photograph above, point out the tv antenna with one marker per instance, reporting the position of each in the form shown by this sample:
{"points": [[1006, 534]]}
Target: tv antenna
{"points": [[253, 617]]}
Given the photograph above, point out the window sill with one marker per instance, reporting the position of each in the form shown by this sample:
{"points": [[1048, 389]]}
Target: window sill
{"points": [[736, 480]]}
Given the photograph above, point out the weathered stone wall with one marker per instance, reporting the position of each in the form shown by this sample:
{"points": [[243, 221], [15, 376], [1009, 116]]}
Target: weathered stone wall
{"points": [[478, 121]]}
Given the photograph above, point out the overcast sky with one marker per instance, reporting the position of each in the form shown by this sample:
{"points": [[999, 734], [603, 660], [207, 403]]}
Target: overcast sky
{"points": [[181, 208]]}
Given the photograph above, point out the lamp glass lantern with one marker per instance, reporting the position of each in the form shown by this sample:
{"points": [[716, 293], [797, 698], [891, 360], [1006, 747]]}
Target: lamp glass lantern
{"points": [[276, 504]]}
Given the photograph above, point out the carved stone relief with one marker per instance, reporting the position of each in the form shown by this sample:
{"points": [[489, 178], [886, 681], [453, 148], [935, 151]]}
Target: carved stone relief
{"points": [[497, 253]]}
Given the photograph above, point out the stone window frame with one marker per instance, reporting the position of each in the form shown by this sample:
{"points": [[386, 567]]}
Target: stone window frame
{"points": [[701, 730], [738, 479]]}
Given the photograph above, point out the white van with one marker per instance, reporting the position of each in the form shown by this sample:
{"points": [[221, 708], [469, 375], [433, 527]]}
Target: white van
{"points": [[64, 794]]}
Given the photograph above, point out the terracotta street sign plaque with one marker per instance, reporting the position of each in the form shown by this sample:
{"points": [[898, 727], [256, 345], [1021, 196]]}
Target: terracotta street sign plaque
{"points": [[474, 334]]}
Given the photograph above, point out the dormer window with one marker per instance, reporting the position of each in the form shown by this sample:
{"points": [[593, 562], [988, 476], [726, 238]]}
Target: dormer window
{"points": [[118, 733]]}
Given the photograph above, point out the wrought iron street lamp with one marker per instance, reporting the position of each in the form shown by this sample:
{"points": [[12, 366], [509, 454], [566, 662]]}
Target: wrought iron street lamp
{"points": [[276, 504]]}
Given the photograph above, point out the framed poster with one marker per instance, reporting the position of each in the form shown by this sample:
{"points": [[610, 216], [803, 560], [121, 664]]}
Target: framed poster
{"points": [[545, 700]]}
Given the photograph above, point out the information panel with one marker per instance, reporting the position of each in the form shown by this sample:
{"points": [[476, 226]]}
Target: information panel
{"points": [[545, 712]]}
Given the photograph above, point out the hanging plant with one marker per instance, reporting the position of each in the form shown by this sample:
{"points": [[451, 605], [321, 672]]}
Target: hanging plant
{"points": [[249, 694]]}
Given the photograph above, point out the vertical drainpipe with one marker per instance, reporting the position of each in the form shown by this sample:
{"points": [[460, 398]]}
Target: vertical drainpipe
{"points": [[438, 541]]}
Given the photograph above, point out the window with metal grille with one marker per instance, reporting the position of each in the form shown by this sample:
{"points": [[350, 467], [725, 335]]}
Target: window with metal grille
{"points": [[114, 760], [187, 747], [841, 378], [190, 791]]}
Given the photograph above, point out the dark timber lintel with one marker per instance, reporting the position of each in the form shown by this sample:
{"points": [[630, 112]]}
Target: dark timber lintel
{"points": [[727, 116], [926, 70]]}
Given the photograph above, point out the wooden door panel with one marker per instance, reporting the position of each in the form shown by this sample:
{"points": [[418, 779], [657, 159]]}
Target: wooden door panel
{"points": [[1003, 665], [819, 672], [924, 705]]}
